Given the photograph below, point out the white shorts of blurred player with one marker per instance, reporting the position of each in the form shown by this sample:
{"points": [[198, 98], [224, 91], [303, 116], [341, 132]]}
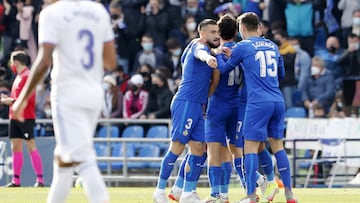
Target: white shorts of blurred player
{"points": [[74, 130]]}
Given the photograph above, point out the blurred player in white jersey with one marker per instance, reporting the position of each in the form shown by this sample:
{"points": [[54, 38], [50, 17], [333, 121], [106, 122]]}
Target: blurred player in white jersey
{"points": [[77, 35]]}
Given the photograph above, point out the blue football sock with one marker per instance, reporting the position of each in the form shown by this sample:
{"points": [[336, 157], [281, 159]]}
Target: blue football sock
{"points": [[251, 167], [203, 165], [191, 177], [267, 164], [214, 179], [180, 178], [284, 168], [225, 178], [238, 164], [167, 166]]}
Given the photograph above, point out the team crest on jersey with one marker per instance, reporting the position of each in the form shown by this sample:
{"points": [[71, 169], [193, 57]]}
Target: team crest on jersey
{"points": [[185, 133]]}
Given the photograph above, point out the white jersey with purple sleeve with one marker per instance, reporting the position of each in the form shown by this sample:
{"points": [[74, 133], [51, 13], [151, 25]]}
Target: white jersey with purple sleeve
{"points": [[78, 29]]}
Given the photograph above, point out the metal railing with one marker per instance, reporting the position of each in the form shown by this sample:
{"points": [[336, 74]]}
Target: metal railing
{"points": [[294, 158]]}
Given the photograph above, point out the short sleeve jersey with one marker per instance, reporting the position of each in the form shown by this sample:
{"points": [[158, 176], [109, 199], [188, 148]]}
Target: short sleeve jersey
{"points": [[262, 66], [196, 75], [227, 92], [78, 29], [17, 86]]}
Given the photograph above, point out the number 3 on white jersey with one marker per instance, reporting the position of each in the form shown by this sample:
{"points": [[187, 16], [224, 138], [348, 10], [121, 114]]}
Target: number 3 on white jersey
{"points": [[266, 61]]}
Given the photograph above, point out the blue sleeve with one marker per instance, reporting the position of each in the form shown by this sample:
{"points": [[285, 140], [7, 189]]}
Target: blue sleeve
{"points": [[281, 68], [231, 63]]}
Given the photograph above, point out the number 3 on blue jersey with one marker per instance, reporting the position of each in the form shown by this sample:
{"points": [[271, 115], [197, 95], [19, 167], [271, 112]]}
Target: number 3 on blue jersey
{"points": [[267, 62], [89, 61]]}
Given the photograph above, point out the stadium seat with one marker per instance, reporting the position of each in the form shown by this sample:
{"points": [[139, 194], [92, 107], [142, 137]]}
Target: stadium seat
{"points": [[101, 151], [146, 151], [114, 131], [117, 151], [133, 131], [295, 112], [159, 131]]}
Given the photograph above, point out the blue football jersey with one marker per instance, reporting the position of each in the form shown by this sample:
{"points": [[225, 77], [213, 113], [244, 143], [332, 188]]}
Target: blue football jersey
{"points": [[227, 93], [196, 74], [263, 67]]}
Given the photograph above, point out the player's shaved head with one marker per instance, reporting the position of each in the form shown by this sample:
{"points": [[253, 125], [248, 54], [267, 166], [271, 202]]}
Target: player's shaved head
{"points": [[205, 23]]}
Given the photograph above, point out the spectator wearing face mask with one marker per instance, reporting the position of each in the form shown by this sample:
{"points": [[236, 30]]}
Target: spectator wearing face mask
{"points": [[350, 61], [155, 21], [320, 87], [347, 7], [331, 55], [159, 104], [113, 101], [126, 44], [186, 32], [135, 99], [302, 63], [121, 78], [288, 52], [148, 55], [192, 7], [356, 22], [146, 71], [172, 58]]}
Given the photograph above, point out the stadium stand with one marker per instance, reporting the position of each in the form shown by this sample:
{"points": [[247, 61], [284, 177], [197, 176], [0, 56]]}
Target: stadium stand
{"points": [[103, 131]]}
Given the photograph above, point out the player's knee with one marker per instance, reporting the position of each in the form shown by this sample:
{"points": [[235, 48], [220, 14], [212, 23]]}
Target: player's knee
{"points": [[177, 147], [197, 148], [276, 145]]}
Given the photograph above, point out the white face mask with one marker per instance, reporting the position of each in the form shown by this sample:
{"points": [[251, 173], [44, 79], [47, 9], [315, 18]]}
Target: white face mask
{"points": [[106, 86], [356, 21], [297, 47], [48, 112], [176, 52], [315, 70], [355, 45], [191, 26]]}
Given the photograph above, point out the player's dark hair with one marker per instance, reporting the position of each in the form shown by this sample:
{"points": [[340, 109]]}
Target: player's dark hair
{"points": [[22, 58], [205, 23], [250, 20], [227, 26]]}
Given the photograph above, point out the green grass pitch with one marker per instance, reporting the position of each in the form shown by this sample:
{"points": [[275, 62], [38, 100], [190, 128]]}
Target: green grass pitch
{"points": [[144, 195]]}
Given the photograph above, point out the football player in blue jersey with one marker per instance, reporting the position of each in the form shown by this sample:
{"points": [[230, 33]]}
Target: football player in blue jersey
{"points": [[187, 112], [265, 110], [220, 125]]}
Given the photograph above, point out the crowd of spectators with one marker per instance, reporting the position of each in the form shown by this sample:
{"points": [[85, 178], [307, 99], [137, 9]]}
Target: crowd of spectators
{"points": [[319, 40]]}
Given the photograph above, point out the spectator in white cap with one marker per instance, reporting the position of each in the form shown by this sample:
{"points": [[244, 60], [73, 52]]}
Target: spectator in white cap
{"points": [[112, 107], [136, 99]]}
